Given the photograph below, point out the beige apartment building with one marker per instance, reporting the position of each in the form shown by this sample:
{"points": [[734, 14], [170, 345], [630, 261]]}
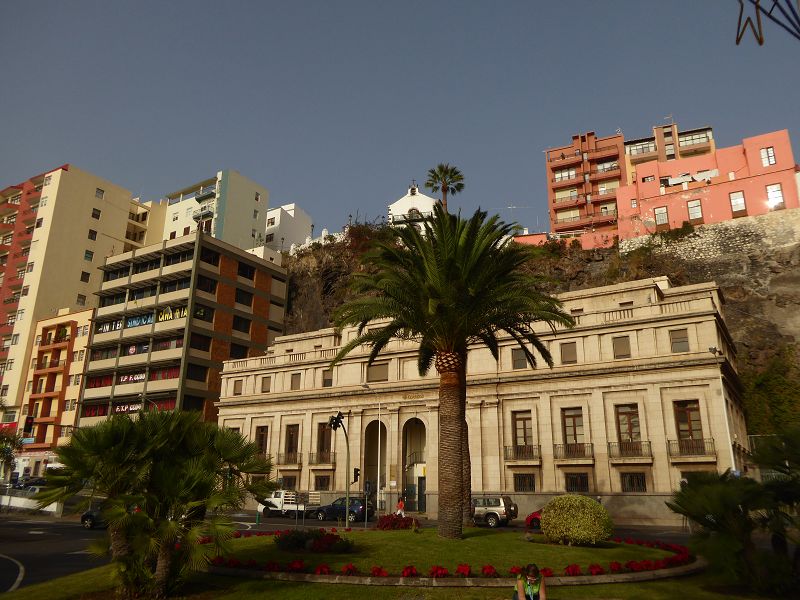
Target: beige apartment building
{"points": [[643, 390], [57, 228]]}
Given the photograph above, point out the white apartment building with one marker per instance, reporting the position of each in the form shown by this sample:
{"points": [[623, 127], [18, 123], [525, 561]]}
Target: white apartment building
{"points": [[228, 205], [287, 225], [643, 390]]}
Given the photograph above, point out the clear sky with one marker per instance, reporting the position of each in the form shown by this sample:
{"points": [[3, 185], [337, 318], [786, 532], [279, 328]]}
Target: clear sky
{"points": [[338, 105]]}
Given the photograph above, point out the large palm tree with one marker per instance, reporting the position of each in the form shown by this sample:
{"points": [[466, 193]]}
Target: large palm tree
{"points": [[459, 283], [445, 178]]}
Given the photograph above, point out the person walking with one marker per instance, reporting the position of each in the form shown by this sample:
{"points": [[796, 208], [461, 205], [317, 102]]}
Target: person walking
{"points": [[530, 585], [401, 507]]}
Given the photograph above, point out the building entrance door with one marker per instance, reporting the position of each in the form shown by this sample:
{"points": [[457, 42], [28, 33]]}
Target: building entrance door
{"points": [[421, 494]]}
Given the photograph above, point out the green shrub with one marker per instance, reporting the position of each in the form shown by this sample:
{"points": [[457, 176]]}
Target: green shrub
{"points": [[575, 521]]}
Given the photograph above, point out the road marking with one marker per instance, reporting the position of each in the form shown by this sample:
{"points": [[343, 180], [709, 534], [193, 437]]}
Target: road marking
{"points": [[37, 532], [21, 575], [81, 552]]}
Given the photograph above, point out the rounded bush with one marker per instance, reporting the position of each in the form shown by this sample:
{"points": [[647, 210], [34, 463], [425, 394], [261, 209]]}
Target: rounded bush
{"points": [[575, 521]]}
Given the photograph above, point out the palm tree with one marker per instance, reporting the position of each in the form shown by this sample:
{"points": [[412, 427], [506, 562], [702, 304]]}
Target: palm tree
{"points": [[446, 178], [460, 283], [178, 472]]}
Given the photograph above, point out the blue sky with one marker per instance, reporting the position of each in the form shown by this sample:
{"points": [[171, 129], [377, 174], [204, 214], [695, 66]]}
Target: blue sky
{"points": [[338, 105]]}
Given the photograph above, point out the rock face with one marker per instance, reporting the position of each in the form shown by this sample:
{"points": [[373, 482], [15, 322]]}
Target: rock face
{"points": [[755, 261]]}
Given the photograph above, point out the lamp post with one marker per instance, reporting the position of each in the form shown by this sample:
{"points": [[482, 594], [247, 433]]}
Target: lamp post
{"points": [[335, 422]]}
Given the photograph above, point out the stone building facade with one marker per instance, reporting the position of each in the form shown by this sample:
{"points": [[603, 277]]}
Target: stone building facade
{"points": [[643, 389]]}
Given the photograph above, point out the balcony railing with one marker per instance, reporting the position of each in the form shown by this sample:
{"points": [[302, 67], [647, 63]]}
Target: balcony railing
{"points": [[692, 447], [205, 210], [322, 458], [414, 458], [528, 452], [633, 449], [567, 451], [290, 458], [602, 149], [50, 364], [206, 192], [568, 219]]}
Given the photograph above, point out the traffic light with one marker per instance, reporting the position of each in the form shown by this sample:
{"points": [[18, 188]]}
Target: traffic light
{"points": [[28, 428], [356, 474]]}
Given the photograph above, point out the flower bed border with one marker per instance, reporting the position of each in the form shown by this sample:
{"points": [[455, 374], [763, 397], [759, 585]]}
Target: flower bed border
{"points": [[699, 564]]}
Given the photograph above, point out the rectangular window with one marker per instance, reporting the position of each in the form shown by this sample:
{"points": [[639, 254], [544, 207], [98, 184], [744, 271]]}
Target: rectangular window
{"points": [[687, 420], [246, 271], [324, 439], [262, 434], [207, 255], [196, 372], [98, 193], [524, 482], [322, 483], [295, 381], [186, 230], [238, 351], [576, 482], [15, 339], [622, 346], [633, 482], [88, 255], [648, 178], [204, 313], [292, 442], [237, 387], [518, 360], [29, 267], [255, 213], [569, 353], [737, 202], [96, 213], [243, 297], [80, 300], [662, 218], [774, 196], [266, 383], [84, 277], [270, 237], [523, 428], [695, 210], [206, 284], [270, 221], [378, 372], [628, 430], [39, 223], [767, 156], [564, 174], [572, 423], [289, 482], [241, 324], [327, 377], [679, 340]]}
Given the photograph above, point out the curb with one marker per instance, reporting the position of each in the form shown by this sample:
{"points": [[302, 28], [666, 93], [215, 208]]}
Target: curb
{"points": [[698, 565]]}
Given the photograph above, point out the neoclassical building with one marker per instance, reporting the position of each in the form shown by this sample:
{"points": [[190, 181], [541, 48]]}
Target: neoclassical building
{"points": [[643, 390]]}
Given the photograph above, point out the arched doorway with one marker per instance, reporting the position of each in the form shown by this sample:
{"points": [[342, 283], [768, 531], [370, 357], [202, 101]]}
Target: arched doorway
{"points": [[371, 461], [414, 485]]}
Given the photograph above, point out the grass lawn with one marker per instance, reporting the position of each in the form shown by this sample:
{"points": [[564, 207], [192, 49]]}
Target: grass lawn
{"points": [[395, 549]]}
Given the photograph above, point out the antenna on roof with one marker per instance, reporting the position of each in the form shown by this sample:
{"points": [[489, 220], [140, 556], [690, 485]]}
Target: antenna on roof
{"points": [[669, 118]]}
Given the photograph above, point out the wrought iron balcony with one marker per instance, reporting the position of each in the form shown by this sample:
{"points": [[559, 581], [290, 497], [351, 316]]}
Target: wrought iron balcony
{"points": [[204, 212], [703, 447], [570, 451], [290, 458], [207, 192], [322, 458], [527, 452], [633, 449]]}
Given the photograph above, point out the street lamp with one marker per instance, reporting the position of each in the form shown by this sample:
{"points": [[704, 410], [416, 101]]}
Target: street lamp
{"points": [[335, 422]]}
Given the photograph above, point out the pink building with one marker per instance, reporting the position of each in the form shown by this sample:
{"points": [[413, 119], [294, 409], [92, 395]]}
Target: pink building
{"points": [[754, 178]]}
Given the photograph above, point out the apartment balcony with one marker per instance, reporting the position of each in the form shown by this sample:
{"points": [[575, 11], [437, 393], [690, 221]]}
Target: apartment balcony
{"points": [[605, 216], [573, 454], [559, 182], [604, 195], [209, 191], [289, 458], [206, 211], [40, 394], [322, 458], [50, 342], [97, 392], [563, 159], [598, 174], [641, 157], [103, 364], [162, 385], [46, 366], [630, 452], [603, 152], [692, 450], [570, 223], [528, 454]]}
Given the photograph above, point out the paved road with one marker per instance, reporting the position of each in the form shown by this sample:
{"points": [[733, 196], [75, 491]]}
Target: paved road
{"points": [[45, 549]]}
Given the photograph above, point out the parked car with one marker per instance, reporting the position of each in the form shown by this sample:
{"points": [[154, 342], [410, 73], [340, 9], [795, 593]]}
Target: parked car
{"points": [[280, 503], [534, 520], [494, 510], [335, 510], [25, 482], [93, 518]]}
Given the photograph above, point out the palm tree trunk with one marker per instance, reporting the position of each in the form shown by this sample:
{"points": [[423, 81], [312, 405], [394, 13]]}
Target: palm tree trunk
{"points": [[163, 568], [444, 198], [120, 554], [466, 461], [450, 438]]}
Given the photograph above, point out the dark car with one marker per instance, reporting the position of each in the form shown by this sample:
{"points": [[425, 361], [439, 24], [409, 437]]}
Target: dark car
{"points": [[26, 482], [93, 518], [335, 510]]}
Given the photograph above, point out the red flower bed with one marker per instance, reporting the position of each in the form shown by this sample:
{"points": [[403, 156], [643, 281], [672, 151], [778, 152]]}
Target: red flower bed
{"points": [[572, 570], [272, 567], [409, 571], [615, 567], [489, 571], [463, 571], [379, 572], [393, 521], [322, 569], [595, 569], [546, 572], [515, 570], [296, 566], [438, 571], [349, 569]]}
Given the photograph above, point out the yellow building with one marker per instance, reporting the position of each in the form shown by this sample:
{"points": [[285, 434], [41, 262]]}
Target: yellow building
{"points": [[644, 389]]}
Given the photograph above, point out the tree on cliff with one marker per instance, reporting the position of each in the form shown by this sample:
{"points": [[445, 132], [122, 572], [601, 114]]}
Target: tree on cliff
{"points": [[447, 179], [460, 283]]}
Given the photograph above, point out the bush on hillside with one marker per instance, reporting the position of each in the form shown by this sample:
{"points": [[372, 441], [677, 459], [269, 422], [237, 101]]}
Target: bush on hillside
{"points": [[575, 521]]}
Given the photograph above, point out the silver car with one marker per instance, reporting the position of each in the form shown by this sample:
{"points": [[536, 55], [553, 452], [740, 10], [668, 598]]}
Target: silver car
{"points": [[494, 510]]}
